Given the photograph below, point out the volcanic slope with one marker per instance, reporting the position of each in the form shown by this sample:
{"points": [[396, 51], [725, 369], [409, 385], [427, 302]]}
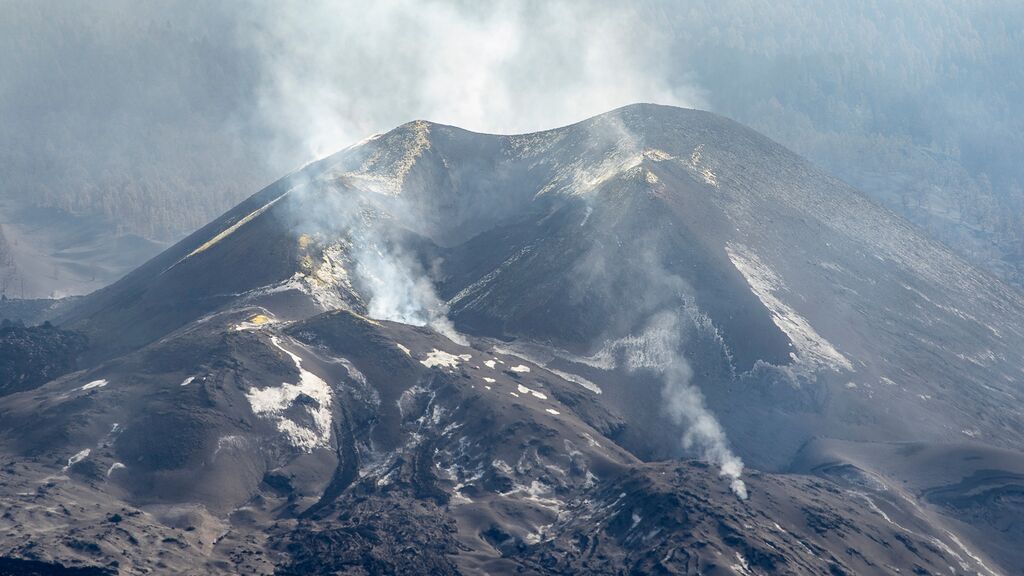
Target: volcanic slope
{"points": [[504, 352]]}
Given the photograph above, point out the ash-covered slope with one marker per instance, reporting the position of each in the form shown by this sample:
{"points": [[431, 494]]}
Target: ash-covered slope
{"points": [[474, 346], [797, 298], [343, 445]]}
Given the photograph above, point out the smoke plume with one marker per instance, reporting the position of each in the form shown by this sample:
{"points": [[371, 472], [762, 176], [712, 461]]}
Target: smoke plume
{"points": [[656, 349], [335, 72], [389, 278], [400, 290]]}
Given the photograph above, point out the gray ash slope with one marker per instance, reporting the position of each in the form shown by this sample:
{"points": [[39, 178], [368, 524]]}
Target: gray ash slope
{"points": [[284, 390]]}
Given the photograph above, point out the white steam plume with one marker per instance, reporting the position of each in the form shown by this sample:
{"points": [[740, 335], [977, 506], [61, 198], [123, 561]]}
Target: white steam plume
{"points": [[390, 280], [400, 290], [334, 72], [656, 349]]}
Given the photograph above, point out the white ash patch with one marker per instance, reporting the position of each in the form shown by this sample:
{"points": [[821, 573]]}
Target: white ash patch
{"points": [[741, 568], [575, 379], [108, 440], [490, 364], [552, 411], [503, 467], [536, 537], [78, 457], [356, 375], [452, 473], [521, 368], [969, 553], [699, 167], [444, 359], [952, 310], [95, 384], [651, 349], [656, 155], [811, 346], [289, 284], [188, 380], [403, 348], [114, 468], [229, 442], [590, 440], [696, 163], [478, 290], [489, 380], [539, 395], [272, 402], [538, 358], [539, 494]]}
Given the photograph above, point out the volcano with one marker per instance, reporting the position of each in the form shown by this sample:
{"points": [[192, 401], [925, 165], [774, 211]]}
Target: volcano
{"points": [[654, 341]]}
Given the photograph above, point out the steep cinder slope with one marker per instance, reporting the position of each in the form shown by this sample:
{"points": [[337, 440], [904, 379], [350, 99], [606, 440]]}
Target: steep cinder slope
{"points": [[339, 444], [664, 282]]}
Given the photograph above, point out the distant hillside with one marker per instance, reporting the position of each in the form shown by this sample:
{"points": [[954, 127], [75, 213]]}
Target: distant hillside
{"points": [[125, 113]]}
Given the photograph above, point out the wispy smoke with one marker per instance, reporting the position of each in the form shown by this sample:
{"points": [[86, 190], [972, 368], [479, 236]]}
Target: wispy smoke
{"points": [[389, 279], [400, 290], [334, 72], [656, 349], [659, 303]]}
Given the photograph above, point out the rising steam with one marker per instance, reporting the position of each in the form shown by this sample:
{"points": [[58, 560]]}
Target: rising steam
{"points": [[656, 349], [389, 279], [333, 72], [400, 290]]}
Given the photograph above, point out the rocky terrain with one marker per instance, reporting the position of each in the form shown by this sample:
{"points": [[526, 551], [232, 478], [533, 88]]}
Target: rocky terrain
{"points": [[35, 355], [652, 342]]}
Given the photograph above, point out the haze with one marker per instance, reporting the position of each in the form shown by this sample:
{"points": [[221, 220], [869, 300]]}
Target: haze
{"points": [[140, 122]]}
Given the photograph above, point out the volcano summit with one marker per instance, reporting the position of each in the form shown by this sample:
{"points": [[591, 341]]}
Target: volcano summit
{"points": [[654, 341]]}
